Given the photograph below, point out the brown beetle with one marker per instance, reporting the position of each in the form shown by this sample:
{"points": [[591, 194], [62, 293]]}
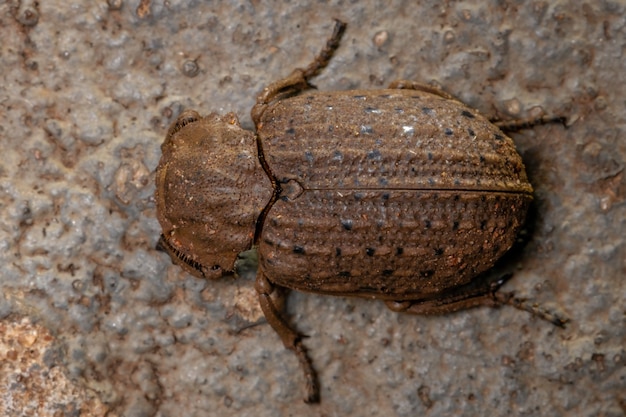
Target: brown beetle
{"points": [[403, 194]]}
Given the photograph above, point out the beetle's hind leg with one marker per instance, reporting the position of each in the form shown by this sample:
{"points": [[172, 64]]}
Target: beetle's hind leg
{"points": [[515, 125], [427, 88], [445, 303], [298, 80], [291, 339], [467, 297]]}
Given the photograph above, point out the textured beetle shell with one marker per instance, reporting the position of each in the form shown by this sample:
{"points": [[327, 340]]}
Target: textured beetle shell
{"points": [[211, 189], [392, 193]]}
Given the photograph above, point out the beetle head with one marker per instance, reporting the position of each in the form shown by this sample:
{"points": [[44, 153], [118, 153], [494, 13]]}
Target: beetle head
{"points": [[210, 190]]}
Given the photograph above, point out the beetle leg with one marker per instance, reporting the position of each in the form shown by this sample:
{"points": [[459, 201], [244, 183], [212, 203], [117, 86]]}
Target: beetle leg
{"points": [[440, 305], [291, 339], [290, 85], [298, 80], [414, 85], [508, 298], [464, 298], [515, 125]]}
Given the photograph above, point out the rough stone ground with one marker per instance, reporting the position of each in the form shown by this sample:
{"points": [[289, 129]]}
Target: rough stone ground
{"points": [[87, 91]]}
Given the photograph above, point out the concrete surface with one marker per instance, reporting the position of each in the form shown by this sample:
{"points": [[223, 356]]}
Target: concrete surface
{"points": [[87, 91]]}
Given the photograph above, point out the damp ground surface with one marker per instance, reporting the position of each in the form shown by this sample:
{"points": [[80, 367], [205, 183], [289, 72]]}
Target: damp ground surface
{"points": [[87, 92]]}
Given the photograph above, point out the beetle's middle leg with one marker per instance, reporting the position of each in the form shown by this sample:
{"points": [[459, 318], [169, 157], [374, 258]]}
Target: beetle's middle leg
{"points": [[291, 339], [464, 298], [298, 80]]}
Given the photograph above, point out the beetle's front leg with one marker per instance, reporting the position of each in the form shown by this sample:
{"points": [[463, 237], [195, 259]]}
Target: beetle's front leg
{"points": [[292, 84], [291, 339], [298, 80]]}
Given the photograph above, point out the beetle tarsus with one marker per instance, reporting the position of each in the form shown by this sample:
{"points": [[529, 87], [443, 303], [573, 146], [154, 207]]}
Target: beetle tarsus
{"points": [[312, 383], [325, 55], [508, 298], [290, 338]]}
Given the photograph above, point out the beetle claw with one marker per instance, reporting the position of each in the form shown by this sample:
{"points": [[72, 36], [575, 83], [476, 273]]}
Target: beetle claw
{"points": [[508, 298]]}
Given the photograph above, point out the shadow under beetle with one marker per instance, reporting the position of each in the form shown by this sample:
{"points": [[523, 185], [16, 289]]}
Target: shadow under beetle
{"points": [[403, 194]]}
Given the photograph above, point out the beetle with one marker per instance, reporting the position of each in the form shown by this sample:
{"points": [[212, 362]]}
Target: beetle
{"points": [[403, 194]]}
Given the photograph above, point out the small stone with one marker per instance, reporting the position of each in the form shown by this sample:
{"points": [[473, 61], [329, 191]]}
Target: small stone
{"points": [[380, 38], [27, 16], [190, 68]]}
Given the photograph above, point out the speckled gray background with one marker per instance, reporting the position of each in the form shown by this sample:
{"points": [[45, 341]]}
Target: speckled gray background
{"points": [[87, 91]]}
